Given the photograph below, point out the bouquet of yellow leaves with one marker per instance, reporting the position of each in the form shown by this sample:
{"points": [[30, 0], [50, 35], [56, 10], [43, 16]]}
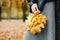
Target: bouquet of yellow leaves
{"points": [[35, 22]]}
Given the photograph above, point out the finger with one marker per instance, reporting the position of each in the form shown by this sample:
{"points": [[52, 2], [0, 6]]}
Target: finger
{"points": [[33, 9], [38, 11], [36, 7]]}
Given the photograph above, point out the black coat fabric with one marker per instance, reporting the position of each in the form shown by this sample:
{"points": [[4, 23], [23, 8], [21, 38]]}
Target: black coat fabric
{"points": [[43, 2], [36, 1]]}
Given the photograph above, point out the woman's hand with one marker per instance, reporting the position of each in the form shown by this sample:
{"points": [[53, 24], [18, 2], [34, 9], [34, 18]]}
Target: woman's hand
{"points": [[35, 8]]}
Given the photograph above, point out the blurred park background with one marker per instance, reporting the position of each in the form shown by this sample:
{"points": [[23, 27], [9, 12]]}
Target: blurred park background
{"points": [[12, 16], [14, 9]]}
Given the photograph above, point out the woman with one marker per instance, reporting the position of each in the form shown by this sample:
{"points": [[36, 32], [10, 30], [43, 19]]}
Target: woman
{"points": [[47, 8]]}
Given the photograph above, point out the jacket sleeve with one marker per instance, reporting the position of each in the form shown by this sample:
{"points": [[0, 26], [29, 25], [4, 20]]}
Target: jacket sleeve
{"points": [[35, 1]]}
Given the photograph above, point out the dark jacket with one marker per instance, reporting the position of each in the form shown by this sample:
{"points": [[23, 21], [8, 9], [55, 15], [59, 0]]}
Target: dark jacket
{"points": [[40, 3]]}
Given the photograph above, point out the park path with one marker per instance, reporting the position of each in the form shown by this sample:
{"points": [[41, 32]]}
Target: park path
{"points": [[12, 29]]}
